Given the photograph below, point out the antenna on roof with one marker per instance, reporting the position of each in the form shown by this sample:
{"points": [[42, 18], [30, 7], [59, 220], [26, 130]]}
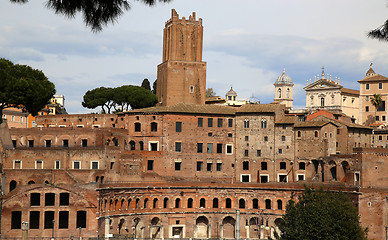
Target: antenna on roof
{"points": [[371, 64]]}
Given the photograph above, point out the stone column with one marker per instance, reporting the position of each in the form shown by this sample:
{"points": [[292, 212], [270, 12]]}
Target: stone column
{"points": [[237, 224], [107, 227], [24, 230]]}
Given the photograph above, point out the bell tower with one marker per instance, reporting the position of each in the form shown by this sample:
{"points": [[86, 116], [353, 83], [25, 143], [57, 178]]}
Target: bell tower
{"points": [[182, 74]]}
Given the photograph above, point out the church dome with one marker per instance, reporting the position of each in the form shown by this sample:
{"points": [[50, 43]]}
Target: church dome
{"points": [[231, 92], [284, 79]]}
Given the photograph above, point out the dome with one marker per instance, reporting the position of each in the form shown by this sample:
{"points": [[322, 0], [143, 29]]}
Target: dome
{"points": [[284, 79], [231, 92]]}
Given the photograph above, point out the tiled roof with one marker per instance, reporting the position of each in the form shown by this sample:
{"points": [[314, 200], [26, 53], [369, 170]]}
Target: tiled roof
{"points": [[312, 124], [374, 78], [350, 91], [287, 120]]}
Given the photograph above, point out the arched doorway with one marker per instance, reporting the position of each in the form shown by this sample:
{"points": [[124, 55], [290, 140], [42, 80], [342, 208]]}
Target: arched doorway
{"points": [[254, 228], [202, 229], [12, 185], [228, 228], [156, 230]]}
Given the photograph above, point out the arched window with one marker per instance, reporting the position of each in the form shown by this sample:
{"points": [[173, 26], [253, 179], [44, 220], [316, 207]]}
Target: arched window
{"points": [[177, 203], [246, 123], [288, 93], [165, 203], [97, 178], [122, 203], [31, 182], [146, 203], [12, 185], [299, 134], [322, 102], [202, 203], [241, 203], [141, 145], [190, 203], [155, 205], [154, 127], [263, 123], [267, 204], [228, 203], [129, 203], [280, 93], [132, 144], [315, 133], [280, 204], [255, 203], [102, 179], [215, 202], [137, 203]]}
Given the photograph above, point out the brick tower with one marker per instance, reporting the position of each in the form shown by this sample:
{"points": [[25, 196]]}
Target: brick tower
{"points": [[182, 75]]}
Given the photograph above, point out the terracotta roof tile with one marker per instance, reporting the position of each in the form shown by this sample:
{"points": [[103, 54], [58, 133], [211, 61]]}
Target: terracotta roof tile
{"points": [[350, 91], [259, 108], [377, 77], [187, 108]]}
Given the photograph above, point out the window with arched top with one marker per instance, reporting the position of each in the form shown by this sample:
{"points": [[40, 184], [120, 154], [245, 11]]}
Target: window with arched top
{"points": [[137, 127], [146, 203], [263, 123], [288, 93], [190, 203], [155, 203], [267, 204], [215, 202], [228, 203], [322, 102], [202, 203], [241, 203], [132, 145], [12, 185], [280, 204], [246, 123], [165, 203], [280, 93], [177, 203]]}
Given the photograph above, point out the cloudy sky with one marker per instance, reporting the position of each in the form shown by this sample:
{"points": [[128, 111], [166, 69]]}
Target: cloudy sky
{"points": [[247, 43]]}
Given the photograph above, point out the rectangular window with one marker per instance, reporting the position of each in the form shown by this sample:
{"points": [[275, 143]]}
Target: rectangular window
{"points": [[210, 122], [380, 85], [84, 143], [76, 165], [377, 118], [35, 199], [178, 166], [17, 164], [94, 165], [230, 122], [153, 146], [65, 143], [81, 219], [39, 164], [137, 127], [178, 126], [200, 122], [245, 178], [178, 147], [283, 165], [30, 143], [150, 165], [280, 151], [48, 220], [265, 139], [300, 177], [264, 166], [64, 199], [63, 220], [246, 153], [219, 166], [367, 86], [219, 147], [282, 178], [14, 143], [219, 122], [16, 220], [366, 109], [47, 143], [210, 148], [209, 166], [49, 199], [34, 219], [283, 138], [199, 166], [57, 164], [258, 154], [229, 148], [246, 138], [245, 165], [264, 178], [199, 147]]}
